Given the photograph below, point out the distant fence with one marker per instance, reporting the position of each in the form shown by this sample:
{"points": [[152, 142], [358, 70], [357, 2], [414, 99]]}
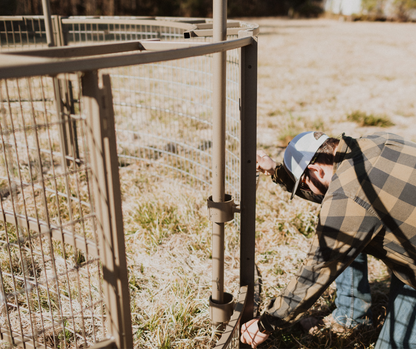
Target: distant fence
{"points": [[66, 126]]}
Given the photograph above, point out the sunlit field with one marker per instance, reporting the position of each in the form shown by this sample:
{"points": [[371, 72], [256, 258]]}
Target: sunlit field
{"points": [[334, 76], [327, 75], [313, 74]]}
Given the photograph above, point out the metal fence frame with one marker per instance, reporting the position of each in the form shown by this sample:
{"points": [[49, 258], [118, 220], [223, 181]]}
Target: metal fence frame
{"points": [[102, 142]]}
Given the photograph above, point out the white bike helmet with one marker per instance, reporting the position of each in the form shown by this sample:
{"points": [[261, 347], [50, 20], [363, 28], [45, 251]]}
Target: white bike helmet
{"points": [[300, 153]]}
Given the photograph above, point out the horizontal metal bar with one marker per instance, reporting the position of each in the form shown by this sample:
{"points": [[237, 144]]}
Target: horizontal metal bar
{"points": [[100, 49], [19, 341], [11, 18], [14, 66], [84, 50], [230, 24], [189, 20], [41, 227], [20, 18], [209, 32], [126, 21]]}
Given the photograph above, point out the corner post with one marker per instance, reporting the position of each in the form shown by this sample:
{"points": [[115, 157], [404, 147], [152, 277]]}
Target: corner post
{"points": [[248, 114], [105, 181]]}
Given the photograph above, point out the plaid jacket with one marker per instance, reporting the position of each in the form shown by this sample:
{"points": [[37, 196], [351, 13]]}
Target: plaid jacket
{"points": [[369, 207]]}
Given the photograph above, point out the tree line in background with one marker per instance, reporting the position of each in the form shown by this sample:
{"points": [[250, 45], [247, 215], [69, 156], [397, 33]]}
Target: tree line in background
{"points": [[178, 8], [403, 10]]}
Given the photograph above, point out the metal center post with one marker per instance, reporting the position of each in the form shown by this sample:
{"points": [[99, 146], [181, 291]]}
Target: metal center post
{"points": [[221, 303]]}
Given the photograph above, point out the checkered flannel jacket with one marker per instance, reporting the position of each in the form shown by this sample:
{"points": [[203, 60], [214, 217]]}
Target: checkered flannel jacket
{"points": [[369, 207]]}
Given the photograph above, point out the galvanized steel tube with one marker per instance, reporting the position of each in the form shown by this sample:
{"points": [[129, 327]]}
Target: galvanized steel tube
{"points": [[218, 159], [48, 22]]}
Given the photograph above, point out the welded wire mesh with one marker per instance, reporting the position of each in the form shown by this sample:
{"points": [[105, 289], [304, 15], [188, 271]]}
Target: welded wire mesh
{"points": [[22, 32], [163, 111], [89, 31], [164, 117], [50, 274], [50, 277]]}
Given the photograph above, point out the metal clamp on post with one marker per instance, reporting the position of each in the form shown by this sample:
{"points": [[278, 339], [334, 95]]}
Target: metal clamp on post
{"points": [[221, 212], [221, 313]]}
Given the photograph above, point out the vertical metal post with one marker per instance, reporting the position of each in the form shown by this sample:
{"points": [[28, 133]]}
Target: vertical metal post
{"points": [[107, 205], [248, 114], [65, 107], [48, 22], [63, 91], [58, 30], [218, 160], [56, 86]]}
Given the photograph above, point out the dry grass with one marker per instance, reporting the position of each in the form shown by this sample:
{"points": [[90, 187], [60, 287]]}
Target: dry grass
{"points": [[322, 70], [168, 240], [312, 74]]}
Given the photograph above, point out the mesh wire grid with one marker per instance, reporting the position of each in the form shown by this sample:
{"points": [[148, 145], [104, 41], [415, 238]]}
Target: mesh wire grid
{"points": [[163, 110], [51, 290], [50, 271], [22, 33]]}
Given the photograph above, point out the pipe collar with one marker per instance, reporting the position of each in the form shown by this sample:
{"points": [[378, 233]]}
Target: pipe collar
{"points": [[221, 212], [221, 313]]}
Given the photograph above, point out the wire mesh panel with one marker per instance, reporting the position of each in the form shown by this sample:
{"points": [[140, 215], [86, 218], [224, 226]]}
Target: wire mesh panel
{"points": [[164, 117], [78, 30], [163, 111], [22, 33], [50, 278], [27, 32], [53, 278]]}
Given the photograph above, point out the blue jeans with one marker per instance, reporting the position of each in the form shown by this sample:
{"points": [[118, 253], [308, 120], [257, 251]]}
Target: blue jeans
{"points": [[399, 329], [353, 299]]}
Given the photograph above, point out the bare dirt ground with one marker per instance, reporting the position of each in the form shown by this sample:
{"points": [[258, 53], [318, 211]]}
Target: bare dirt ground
{"points": [[323, 69]]}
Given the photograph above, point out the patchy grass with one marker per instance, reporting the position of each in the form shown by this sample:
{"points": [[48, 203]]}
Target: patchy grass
{"points": [[168, 245], [170, 277], [364, 119], [291, 126], [168, 235]]}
